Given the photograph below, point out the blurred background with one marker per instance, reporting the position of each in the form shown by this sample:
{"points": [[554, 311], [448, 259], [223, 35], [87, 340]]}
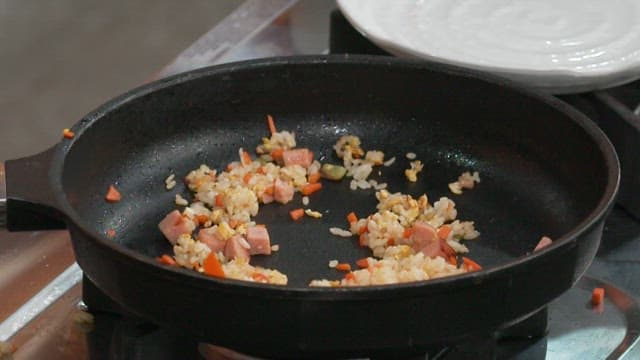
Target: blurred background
{"points": [[60, 59]]}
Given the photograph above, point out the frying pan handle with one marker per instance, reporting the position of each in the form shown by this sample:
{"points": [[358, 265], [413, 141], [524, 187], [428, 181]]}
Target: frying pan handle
{"points": [[27, 201]]}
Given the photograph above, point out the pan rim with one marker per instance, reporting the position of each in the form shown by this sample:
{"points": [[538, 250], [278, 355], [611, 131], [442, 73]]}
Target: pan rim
{"points": [[595, 134]]}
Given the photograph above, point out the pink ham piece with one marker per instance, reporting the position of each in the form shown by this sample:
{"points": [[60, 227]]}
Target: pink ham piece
{"points": [[258, 239], [302, 157], [544, 242], [211, 238], [282, 191], [174, 224], [237, 248], [425, 239]]}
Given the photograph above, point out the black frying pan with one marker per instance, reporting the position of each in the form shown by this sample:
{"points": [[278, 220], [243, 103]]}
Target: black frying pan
{"points": [[546, 170]]}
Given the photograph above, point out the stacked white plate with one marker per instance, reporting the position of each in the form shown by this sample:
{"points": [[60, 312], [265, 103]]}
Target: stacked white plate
{"points": [[559, 46]]}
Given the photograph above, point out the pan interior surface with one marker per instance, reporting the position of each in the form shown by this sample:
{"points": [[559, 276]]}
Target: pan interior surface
{"points": [[542, 174]]}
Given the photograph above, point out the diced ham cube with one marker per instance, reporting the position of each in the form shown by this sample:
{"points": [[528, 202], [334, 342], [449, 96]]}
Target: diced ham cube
{"points": [[212, 238], [283, 191], [258, 238], [544, 242], [237, 248], [302, 157], [174, 224]]}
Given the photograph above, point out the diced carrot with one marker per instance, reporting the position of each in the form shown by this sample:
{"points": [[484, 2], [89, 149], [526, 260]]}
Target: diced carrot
{"points": [[363, 263], [276, 155], [166, 260], [314, 178], [363, 229], [233, 223], [310, 188], [111, 233], [269, 190], [350, 276], [343, 267], [597, 297], [261, 170], [296, 214], [351, 217], [247, 177], [362, 240], [444, 231], [391, 242], [272, 124], [230, 166], [407, 233], [68, 134], [212, 266], [452, 260], [470, 265], [113, 195], [219, 200], [260, 277], [245, 158], [202, 219]]}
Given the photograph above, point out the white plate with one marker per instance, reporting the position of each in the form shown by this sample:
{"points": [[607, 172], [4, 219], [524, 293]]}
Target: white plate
{"points": [[560, 46]]}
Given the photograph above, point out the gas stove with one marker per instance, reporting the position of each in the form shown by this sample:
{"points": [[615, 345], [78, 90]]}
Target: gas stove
{"points": [[64, 316]]}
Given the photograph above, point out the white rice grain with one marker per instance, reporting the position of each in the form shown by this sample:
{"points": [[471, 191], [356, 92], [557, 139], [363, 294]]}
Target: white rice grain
{"points": [[275, 247], [170, 182], [333, 263], [380, 186], [389, 162], [340, 232], [305, 200], [313, 214], [411, 155], [181, 201]]}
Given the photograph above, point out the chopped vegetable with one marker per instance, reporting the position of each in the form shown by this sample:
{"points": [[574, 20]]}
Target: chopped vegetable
{"points": [[407, 233], [453, 260], [113, 195], [314, 178], [202, 219], [310, 188], [333, 172], [597, 297], [350, 276], [363, 263], [166, 260], [444, 231], [343, 267], [245, 158], [260, 277], [219, 200], [277, 155], [362, 240], [212, 266], [111, 233], [296, 214], [351, 217], [470, 265], [272, 124], [68, 134], [247, 177]]}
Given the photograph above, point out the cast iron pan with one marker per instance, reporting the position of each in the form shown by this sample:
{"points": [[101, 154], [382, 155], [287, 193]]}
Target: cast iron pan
{"points": [[545, 169]]}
